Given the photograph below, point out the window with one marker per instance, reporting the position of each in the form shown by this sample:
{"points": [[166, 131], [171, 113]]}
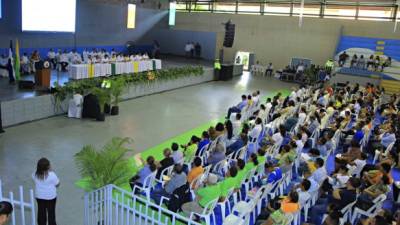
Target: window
{"points": [[375, 13], [181, 6], [201, 6], [383, 10], [309, 10], [252, 8], [225, 7], [277, 9], [340, 11], [172, 13], [131, 16]]}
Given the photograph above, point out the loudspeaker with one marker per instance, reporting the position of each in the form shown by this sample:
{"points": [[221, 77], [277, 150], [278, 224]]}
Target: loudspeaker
{"points": [[229, 35], [26, 84]]}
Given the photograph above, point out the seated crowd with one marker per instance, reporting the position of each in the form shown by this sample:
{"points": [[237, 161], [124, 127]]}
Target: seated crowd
{"points": [[62, 58], [276, 154], [375, 63]]}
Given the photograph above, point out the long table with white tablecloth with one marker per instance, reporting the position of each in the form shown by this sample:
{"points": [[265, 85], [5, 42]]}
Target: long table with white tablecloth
{"points": [[82, 71]]}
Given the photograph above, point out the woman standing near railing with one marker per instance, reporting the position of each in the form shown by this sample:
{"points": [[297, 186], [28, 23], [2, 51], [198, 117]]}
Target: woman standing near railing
{"points": [[6, 210], [46, 183]]}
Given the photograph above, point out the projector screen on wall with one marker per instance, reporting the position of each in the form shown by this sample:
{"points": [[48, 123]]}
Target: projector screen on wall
{"points": [[48, 15]]}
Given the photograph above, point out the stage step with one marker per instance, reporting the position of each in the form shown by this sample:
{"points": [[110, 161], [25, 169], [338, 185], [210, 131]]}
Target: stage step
{"points": [[391, 86]]}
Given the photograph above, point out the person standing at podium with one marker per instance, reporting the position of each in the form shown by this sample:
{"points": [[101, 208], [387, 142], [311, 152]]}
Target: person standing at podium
{"points": [[35, 57]]}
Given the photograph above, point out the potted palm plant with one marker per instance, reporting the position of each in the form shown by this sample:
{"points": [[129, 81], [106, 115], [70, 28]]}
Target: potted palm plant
{"points": [[103, 96], [108, 165], [117, 86]]}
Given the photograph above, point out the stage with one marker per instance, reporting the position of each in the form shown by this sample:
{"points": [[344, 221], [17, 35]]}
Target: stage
{"points": [[21, 106], [11, 92]]}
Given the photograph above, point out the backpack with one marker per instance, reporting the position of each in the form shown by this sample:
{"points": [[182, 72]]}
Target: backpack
{"points": [[179, 197]]}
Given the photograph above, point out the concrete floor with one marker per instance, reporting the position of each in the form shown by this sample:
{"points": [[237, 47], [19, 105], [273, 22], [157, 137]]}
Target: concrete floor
{"points": [[148, 120]]}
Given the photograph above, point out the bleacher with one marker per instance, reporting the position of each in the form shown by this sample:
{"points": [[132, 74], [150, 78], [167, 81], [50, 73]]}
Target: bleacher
{"points": [[244, 205], [383, 48]]}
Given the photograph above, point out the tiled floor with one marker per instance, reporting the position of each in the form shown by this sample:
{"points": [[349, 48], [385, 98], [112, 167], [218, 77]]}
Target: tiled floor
{"points": [[149, 120]]}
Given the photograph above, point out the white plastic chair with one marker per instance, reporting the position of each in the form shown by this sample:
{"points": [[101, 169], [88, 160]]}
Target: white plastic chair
{"points": [[208, 212], [372, 211], [148, 185], [226, 202], [387, 150], [167, 172], [248, 207]]}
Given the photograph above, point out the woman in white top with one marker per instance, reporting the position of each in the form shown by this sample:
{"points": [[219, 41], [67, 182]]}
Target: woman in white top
{"points": [[46, 183], [6, 210]]}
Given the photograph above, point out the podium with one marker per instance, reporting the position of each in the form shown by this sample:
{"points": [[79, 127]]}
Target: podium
{"points": [[42, 78]]}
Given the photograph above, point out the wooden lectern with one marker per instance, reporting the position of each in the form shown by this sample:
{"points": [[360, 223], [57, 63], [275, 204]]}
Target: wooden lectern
{"points": [[42, 78]]}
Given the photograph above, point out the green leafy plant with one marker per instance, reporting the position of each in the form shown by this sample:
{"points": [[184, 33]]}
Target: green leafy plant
{"points": [[108, 165], [117, 87], [86, 85]]}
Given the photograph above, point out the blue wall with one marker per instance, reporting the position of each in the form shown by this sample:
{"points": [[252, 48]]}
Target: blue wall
{"points": [[391, 47]]}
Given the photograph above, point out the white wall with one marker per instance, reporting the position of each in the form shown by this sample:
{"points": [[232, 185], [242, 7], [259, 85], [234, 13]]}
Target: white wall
{"points": [[278, 38]]}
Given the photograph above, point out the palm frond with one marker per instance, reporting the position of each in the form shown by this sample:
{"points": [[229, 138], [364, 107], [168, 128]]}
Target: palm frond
{"points": [[106, 166]]}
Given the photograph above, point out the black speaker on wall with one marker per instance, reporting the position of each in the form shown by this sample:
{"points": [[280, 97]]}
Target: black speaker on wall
{"points": [[229, 35]]}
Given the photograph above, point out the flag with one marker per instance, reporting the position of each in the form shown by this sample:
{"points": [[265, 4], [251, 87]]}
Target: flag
{"points": [[10, 60], [17, 62]]}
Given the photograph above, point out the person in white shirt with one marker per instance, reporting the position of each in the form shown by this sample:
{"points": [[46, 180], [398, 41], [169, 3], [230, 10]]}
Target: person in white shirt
{"points": [[270, 69], [293, 94], [302, 115], [46, 183], [25, 69], [358, 165], [105, 59], [320, 174], [6, 209], [262, 113], [70, 56], [51, 55], [177, 154], [187, 49], [339, 179], [256, 131], [120, 58], [268, 106], [145, 56], [77, 59], [113, 52], [300, 68], [277, 138], [237, 124], [302, 189]]}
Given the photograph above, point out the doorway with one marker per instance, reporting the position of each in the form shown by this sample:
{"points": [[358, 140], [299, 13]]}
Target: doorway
{"points": [[243, 58]]}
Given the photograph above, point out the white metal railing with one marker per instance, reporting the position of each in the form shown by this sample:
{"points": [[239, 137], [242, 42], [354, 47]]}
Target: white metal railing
{"points": [[24, 211], [111, 205]]}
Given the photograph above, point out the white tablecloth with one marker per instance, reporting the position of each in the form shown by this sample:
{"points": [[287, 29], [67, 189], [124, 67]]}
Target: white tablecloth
{"points": [[81, 71]]}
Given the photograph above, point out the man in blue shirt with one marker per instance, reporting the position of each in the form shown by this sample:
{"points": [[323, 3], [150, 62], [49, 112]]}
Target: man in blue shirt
{"points": [[273, 174], [205, 140], [238, 108]]}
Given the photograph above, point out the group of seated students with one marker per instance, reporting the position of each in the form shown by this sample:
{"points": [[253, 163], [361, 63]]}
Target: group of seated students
{"points": [[372, 63], [62, 58], [263, 142]]}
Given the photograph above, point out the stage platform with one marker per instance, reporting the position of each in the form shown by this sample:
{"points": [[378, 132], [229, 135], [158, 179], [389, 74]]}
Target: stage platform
{"points": [[21, 106], [11, 92]]}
